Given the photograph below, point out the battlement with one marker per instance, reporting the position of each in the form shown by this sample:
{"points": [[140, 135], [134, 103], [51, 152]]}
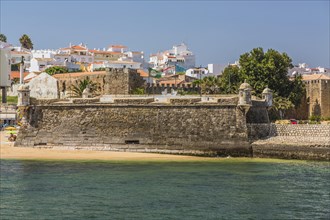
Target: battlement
{"points": [[109, 100]]}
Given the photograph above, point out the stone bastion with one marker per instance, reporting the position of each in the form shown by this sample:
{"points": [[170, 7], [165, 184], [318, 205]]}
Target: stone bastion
{"points": [[213, 125]]}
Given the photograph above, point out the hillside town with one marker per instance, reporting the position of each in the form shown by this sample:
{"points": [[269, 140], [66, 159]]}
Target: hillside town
{"points": [[53, 73]]}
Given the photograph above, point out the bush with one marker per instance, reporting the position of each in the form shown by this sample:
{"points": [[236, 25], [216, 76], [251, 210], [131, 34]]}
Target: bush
{"points": [[100, 69], [56, 69], [138, 91], [316, 118]]}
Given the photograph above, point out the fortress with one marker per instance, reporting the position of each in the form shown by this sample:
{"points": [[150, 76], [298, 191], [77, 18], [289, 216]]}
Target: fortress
{"points": [[192, 125]]}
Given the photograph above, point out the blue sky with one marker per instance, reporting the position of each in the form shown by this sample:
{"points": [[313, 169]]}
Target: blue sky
{"points": [[216, 31]]}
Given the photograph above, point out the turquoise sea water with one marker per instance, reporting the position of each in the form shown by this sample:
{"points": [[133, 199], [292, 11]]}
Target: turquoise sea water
{"points": [[164, 190]]}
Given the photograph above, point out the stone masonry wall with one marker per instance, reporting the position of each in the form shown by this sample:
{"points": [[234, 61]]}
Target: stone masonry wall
{"points": [[307, 130], [302, 141], [263, 130], [210, 129]]}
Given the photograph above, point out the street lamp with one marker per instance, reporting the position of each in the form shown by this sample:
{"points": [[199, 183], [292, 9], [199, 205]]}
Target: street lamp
{"points": [[200, 81]]}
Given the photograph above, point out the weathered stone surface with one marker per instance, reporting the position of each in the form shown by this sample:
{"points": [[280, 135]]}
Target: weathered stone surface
{"points": [[309, 142], [213, 128]]}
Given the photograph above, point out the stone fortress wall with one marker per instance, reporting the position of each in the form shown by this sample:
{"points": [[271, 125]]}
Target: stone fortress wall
{"points": [[288, 141], [190, 126]]}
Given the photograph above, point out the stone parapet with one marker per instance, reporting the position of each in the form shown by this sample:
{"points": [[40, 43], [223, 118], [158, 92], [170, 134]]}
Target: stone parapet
{"points": [[141, 101], [184, 101], [84, 100], [307, 130]]}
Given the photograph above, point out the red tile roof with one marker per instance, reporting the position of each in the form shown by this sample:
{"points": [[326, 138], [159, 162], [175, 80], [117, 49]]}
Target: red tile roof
{"points": [[74, 47], [118, 46], [15, 74], [142, 73]]}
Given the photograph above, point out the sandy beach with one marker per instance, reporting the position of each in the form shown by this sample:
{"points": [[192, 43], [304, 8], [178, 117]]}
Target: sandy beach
{"points": [[8, 151]]}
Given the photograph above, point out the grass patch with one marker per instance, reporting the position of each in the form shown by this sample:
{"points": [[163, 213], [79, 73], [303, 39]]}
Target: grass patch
{"points": [[11, 99]]}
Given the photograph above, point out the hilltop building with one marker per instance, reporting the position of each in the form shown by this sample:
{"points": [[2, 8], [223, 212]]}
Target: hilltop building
{"points": [[17, 53], [304, 69], [179, 56], [77, 53], [197, 72]]}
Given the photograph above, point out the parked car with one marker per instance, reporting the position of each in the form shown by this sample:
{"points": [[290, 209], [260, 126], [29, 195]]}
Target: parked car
{"points": [[293, 121]]}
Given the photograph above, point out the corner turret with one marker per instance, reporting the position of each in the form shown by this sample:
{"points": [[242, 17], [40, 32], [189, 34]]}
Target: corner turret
{"points": [[23, 95], [245, 94], [267, 95]]}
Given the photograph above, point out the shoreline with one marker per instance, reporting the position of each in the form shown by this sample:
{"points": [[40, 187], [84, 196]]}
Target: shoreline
{"points": [[9, 152]]}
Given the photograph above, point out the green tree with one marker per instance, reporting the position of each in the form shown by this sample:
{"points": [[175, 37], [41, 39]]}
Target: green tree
{"points": [[26, 42], [297, 90], [56, 69], [209, 84], [262, 69], [231, 79], [3, 38], [281, 105], [266, 69], [82, 85]]}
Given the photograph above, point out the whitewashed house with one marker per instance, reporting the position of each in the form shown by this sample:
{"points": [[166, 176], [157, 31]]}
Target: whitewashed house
{"points": [[179, 55], [119, 64], [215, 69], [117, 48], [43, 53], [40, 64], [198, 72], [16, 56], [75, 53], [5, 62]]}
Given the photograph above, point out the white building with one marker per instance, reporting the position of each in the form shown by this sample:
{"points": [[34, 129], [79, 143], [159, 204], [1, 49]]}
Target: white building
{"points": [[122, 64], [16, 56], [215, 69], [198, 73], [40, 64], [43, 53], [118, 48], [77, 53], [179, 55], [304, 69], [5, 62]]}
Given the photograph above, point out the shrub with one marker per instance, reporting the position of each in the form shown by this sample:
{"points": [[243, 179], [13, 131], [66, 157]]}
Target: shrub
{"points": [[138, 91], [316, 118]]}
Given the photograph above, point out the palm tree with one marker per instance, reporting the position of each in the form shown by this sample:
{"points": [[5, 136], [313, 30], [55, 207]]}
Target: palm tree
{"points": [[208, 85], [82, 85], [282, 104], [3, 38], [26, 42]]}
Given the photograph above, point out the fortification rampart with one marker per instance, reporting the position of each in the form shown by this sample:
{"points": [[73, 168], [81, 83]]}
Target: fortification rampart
{"points": [[190, 126], [300, 141]]}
